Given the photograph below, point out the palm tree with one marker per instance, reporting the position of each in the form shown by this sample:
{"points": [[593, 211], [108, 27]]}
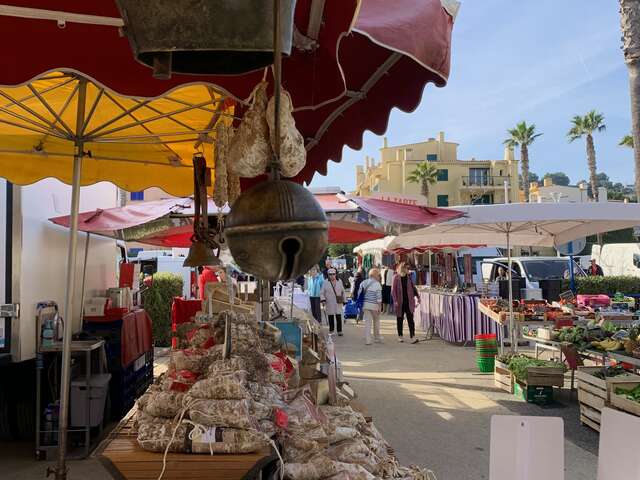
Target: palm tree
{"points": [[627, 141], [584, 127], [630, 24], [425, 174], [522, 136]]}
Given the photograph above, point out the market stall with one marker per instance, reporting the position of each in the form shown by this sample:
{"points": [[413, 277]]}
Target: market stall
{"points": [[341, 76], [456, 317]]}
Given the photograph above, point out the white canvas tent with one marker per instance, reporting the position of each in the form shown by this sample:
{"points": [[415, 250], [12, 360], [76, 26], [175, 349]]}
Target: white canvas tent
{"points": [[374, 247], [524, 224]]}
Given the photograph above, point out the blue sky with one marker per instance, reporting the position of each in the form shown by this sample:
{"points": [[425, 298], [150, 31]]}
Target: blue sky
{"points": [[542, 61]]}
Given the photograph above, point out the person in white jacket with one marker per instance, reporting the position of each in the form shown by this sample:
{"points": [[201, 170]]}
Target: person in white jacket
{"points": [[372, 305], [332, 295]]}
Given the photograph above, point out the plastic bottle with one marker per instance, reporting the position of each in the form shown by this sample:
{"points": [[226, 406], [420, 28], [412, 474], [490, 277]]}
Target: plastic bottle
{"points": [[47, 333]]}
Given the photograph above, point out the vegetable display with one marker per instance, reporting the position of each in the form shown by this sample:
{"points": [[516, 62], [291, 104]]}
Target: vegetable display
{"points": [[633, 395], [520, 365], [610, 372]]}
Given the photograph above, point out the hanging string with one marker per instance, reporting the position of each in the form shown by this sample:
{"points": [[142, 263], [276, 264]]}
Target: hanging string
{"points": [[277, 79]]}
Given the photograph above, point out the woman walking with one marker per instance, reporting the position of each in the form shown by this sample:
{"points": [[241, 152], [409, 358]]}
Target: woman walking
{"points": [[332, 295], [314, 285], [372, 305], [404, 294], [355, 288]]}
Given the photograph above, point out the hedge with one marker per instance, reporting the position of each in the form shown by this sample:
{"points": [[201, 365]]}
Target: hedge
{"points": [[157, 301], [608, 285]]}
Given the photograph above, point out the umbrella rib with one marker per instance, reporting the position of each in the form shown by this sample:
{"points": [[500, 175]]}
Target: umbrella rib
{"points": [[185, 103], [94, 157], [51, 111], [152, 135], [175, 120], [31, 129], [214, 119], [92, 110], [141, 122], [46, 90], [30, 111], [113, 120], [114, 100], [58, 133], [368, 85]]}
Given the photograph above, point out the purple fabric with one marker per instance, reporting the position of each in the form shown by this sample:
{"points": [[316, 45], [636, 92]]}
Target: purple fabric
{"points": [[396, 293], [454, 316]]}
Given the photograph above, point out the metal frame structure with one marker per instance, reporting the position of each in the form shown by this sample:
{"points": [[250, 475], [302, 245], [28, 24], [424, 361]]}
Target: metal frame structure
{"points": [[26, 118]]}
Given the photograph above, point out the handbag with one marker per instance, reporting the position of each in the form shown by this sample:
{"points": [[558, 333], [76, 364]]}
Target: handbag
{"points": [[361, 295], [338, 300]]}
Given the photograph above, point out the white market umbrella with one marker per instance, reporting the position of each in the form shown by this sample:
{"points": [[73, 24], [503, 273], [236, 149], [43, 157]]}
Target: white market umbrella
{"points": [[524, 224], [374, 247]]}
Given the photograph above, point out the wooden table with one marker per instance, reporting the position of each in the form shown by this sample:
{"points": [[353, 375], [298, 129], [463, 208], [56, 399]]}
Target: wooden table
{"points": [[125, 460]]}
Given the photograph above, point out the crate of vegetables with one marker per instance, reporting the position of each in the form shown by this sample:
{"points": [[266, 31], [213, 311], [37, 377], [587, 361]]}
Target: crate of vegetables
{"points": [[534, 372], [626, 397], [502, 376], [598, 381]]}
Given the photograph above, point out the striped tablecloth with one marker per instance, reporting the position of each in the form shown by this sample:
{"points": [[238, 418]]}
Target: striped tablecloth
{"points": [[455, 316]]}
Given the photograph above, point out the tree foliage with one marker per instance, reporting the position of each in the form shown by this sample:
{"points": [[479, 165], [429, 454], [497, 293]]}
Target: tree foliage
{"points": [[626, 141], [522, 136], [425, 175], [558, 178], [157, 301]]}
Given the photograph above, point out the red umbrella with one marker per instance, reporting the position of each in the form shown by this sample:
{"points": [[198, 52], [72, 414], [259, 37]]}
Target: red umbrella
{"points": [[372, 56], [405, 214]]}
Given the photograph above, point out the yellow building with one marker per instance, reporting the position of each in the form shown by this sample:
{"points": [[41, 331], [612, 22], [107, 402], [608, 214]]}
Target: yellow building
{"points": [[460, 182]]}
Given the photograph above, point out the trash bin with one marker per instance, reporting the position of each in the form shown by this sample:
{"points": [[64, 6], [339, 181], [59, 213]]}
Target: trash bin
{"points": [[92, 397]]}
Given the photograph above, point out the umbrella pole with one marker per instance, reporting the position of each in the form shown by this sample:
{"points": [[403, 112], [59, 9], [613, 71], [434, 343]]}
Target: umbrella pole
{"points": [[512, 323], [84, 271], [60, 470]]}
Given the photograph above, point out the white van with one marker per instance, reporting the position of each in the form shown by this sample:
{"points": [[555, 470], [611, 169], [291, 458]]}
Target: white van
{"points": [[618, 258], [532, 269]]}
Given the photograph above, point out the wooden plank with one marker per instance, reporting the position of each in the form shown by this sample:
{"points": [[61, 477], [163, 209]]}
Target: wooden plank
{"points": [[588, 398], [590, 423], [590, 413], [593, 390], [554, 380], [621, 403]]}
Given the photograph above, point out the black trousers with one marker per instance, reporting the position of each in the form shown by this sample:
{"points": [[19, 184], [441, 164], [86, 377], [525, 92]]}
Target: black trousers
{"points": [[333, 321], [410, 322], [315, 308]]}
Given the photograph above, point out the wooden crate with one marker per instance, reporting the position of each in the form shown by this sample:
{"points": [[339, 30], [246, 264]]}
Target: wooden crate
{"points": [[538, 394], [590, 417], [545, 376], [502, 377], [623, 404], [601, 387]]}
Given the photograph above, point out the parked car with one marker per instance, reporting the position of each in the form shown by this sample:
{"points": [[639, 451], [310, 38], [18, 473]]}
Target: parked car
{"points": [[532, 269]]}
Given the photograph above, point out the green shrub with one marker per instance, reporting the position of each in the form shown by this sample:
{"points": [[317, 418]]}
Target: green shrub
{"points": [[607, 285], [157, 302]]}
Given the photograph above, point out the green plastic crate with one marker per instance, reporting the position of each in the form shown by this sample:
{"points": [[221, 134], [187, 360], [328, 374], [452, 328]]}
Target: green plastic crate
{"points": [[533, 393]]}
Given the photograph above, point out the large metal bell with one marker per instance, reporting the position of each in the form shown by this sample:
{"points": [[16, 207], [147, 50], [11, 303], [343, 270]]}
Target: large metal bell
{"points": [[200, 255], [276, 230], [205, 36]]}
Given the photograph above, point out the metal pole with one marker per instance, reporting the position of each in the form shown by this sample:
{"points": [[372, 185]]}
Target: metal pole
{"points": [[572, 278], [84, 272], [512, 323], [506, 191], [60, 470]]}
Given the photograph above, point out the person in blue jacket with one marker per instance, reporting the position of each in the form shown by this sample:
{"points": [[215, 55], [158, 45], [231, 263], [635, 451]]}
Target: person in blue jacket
{"points": [[315, 280]]}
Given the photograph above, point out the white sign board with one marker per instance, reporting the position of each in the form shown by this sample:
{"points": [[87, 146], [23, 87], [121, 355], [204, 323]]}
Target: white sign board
{"points": [[518, 444], [619, 446]]}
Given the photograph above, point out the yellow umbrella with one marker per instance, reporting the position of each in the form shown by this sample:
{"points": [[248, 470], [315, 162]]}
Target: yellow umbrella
{"points": [[135, 143]]}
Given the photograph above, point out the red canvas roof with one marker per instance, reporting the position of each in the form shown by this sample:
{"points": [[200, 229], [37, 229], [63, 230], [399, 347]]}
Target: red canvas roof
{"points": [[373, 56], [405, 214]]}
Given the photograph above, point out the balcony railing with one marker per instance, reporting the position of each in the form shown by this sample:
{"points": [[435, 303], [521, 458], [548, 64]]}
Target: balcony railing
{"points": [[485, 181]]}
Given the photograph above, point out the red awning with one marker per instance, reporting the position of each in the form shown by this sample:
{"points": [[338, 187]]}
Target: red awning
{"points": [[436, 248], [120, 222], [373, 56], [405, 214], [351, 232]]}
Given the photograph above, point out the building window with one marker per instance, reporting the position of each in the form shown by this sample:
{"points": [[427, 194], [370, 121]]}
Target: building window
{"points": [[478, 176], [443, 200], [443, 175], [432, 157], [137, 196], [486, 199]]}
